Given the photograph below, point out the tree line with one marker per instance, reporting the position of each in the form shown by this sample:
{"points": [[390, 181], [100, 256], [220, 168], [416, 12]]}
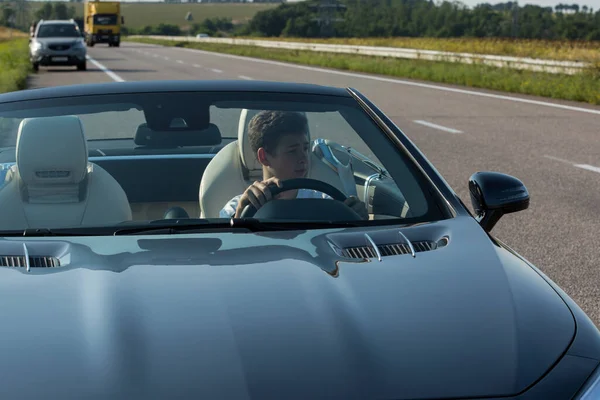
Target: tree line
{"points": [[18, 15], [424, 18], [411, 18], [217, 26], [379, 18]]}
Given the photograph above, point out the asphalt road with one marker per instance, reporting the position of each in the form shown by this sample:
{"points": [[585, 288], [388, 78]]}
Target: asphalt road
{"points": [[552, 146]]}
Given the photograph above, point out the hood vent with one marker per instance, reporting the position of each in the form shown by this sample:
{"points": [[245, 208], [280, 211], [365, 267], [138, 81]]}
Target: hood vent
{"points": [[34, 262], [386, 250]]}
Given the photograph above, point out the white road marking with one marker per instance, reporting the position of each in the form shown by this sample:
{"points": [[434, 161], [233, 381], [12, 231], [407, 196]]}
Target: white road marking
{"points": [[244, 77], [397, 81], [107, 71], [197, 66], [582, 166], [588, 167], [166, 58], [558, 159], [179, 62], [434, 126], [218, 71]]}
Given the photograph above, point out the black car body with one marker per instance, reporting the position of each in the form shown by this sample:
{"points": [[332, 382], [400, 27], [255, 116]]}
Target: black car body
{"points": [[431, 309]]}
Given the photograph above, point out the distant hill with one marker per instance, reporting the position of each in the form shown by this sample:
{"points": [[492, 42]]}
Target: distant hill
{"points": [[138, 15]]}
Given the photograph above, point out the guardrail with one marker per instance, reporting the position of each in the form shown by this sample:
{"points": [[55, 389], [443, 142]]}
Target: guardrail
{"points": [[532, 64]]}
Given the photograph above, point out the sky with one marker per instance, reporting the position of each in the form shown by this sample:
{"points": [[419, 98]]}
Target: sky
{"points": [[595, 4]]}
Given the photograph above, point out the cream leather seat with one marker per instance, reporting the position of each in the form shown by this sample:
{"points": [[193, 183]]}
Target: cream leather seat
{"points": [[235, 167], [52, 185]]}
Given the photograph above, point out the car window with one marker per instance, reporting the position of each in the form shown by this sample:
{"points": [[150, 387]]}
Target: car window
{"points": [[105, 19], [57, 30], [98, 125], [157, 147]]}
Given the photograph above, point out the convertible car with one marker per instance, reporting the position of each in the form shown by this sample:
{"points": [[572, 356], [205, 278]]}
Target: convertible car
{"points": [[120, 278]]}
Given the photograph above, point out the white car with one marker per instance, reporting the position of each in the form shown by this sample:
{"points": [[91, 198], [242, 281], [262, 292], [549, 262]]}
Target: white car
{"points": [[57, 43]]}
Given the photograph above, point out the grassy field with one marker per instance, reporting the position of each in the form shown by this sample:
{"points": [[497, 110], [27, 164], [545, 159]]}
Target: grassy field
{"points": [[588, 51], [138, 15], [583, 87], [6, 34], [14, 62]]}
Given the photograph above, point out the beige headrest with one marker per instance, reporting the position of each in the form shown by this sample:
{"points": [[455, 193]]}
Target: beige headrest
{"points": [[247, 156], [51, 151]]}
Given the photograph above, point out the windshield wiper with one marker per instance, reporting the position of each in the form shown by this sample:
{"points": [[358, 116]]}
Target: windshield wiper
{"points": [[234, 224], [41, 232], [173, 227]]}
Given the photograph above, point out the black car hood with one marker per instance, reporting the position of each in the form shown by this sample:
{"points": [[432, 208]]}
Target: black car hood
{"points": [[278, 315]]}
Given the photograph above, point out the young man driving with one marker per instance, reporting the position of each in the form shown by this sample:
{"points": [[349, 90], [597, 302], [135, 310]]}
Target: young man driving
{"points": [[281, 143]]}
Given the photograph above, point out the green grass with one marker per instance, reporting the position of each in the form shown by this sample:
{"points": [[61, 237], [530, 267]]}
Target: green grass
{"points": [[14, 64], [138, 15], [569, 50], [584, 87]]}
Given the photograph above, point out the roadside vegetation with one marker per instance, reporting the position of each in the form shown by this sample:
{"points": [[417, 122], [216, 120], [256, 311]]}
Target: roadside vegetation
{"points": [[565, 32], [584, 87], [564, 50], [14, 61]]}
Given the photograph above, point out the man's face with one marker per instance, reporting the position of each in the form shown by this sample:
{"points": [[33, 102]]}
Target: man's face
{"points": [[290, 158]]}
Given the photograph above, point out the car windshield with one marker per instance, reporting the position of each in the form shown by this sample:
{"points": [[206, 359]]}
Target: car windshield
{"points": [[57, 30], [105, 19], [105, 160]]}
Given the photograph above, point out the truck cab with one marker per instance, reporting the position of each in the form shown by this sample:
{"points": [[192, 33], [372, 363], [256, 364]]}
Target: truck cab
{"points": [[102, 22]]}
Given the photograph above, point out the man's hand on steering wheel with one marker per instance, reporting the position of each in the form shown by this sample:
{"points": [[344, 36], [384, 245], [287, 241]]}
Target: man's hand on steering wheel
{"points": [[257, 194]]}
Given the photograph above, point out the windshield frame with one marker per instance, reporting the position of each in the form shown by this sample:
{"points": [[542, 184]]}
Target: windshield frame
{"points": [[438, 207]]}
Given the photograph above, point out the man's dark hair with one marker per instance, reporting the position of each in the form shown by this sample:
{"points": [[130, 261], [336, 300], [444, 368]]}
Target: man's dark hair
{"points": [[266, 128]]}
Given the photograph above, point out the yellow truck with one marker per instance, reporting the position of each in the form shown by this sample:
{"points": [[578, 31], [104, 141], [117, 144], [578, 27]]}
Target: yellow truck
{"points": [[102, 22]]}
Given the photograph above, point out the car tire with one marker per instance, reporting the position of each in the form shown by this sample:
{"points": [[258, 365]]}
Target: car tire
{"points": [[117, 44], [35, 66], [82, 66]]}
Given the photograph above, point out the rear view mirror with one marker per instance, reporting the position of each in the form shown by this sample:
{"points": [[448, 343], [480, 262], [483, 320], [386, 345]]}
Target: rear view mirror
{"points": [[177, 137], [494, 194]]}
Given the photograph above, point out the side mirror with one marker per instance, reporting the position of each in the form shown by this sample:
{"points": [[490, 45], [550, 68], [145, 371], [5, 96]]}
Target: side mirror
{"points": [[494, 194], [123, 20]]}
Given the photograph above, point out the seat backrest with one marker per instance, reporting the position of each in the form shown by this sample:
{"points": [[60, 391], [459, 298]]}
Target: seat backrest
{"points": [[53, 185], [236, 167]]}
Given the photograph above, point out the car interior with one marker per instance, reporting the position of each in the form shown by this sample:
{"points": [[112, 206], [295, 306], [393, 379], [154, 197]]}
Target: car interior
{"points": [[50, 184]]}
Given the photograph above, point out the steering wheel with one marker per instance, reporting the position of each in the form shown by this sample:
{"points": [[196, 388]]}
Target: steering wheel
{"points": [[298, 183]]}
